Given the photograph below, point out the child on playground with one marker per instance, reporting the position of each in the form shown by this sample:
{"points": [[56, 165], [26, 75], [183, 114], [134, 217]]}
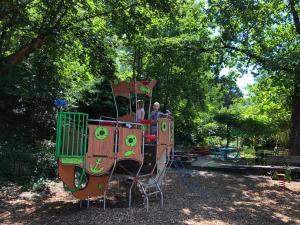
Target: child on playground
{"points": [[155, 115], [140, 112]]}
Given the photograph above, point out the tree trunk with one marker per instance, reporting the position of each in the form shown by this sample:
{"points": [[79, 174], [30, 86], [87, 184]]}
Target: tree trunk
{"points": [[22, 53], [295, 127], [134, 63], [228, 136], [139, 66], [295, 15]]}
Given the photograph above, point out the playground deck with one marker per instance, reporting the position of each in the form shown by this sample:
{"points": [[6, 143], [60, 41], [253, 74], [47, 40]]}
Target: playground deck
{"points": [[225, 199]]}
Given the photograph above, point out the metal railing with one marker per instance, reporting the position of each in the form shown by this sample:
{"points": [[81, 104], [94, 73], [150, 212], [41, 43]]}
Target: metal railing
{"points": [[71, 135]]}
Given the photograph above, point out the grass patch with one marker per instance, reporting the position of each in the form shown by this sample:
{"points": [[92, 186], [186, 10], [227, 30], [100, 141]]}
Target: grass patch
{"points": [[248, 154]]}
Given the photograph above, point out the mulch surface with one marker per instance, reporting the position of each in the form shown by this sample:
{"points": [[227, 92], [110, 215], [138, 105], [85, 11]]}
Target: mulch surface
{"points": [[219, 199]]}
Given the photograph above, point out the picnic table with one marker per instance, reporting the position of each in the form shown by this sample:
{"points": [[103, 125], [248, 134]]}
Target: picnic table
{"points": [[223, 152]]}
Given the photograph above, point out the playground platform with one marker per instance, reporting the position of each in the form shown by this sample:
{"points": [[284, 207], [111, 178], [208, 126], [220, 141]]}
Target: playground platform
{"points": [[209, 162]]}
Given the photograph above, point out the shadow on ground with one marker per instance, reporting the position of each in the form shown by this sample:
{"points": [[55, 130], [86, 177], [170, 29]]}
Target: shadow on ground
{"points": [[222, 199]]}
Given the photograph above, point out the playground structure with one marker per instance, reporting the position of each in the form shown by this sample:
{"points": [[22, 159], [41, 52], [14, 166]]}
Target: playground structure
{"points": [[91, 151]]}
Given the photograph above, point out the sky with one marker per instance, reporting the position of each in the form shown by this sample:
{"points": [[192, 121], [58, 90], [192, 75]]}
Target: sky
{"points": [[243, 82]]}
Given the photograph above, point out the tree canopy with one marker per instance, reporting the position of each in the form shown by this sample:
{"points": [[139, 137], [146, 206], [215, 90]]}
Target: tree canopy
{"points": [[72, 49]]}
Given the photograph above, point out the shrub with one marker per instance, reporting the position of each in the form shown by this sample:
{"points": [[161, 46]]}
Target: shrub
{"points": [[24, 162]]}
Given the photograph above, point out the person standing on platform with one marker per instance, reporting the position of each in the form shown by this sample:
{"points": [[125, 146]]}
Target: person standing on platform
{"points": [[155, 115], [140, 113]]}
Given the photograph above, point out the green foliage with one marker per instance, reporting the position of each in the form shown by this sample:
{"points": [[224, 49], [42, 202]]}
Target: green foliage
{"points": [[97, 100], [39, 185], [73, 49], [288, 173], [274, 175], [264, 35], [24, 162], [60, 49]]}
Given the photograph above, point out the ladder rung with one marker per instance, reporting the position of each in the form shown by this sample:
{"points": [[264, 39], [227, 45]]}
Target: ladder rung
{"points": [[152, 193], [143, 176], [150, 185]]}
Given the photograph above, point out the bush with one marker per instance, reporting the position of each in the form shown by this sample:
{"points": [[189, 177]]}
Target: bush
{"points": [[23, 162]]}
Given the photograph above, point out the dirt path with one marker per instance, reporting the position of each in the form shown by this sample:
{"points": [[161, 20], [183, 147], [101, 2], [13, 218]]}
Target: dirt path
{"points": [[223, 199]]}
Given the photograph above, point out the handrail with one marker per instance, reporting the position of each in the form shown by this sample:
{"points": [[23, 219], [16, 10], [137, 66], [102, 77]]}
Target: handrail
{"points": [[116, 122], [100, 118]]}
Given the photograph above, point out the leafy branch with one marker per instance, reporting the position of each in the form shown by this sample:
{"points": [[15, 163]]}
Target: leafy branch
{"points": [[37, 42]]}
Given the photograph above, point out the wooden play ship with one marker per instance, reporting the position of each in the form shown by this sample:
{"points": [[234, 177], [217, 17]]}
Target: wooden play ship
{"points": [[90, 151]]}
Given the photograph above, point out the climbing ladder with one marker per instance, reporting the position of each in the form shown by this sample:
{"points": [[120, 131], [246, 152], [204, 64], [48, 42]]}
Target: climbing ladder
{"points": [[151, 184], [150, 187]]}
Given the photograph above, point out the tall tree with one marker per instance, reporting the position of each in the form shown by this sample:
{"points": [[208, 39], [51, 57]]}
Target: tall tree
{"points": [[26, 25], [263, 34], [295, 127]]}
